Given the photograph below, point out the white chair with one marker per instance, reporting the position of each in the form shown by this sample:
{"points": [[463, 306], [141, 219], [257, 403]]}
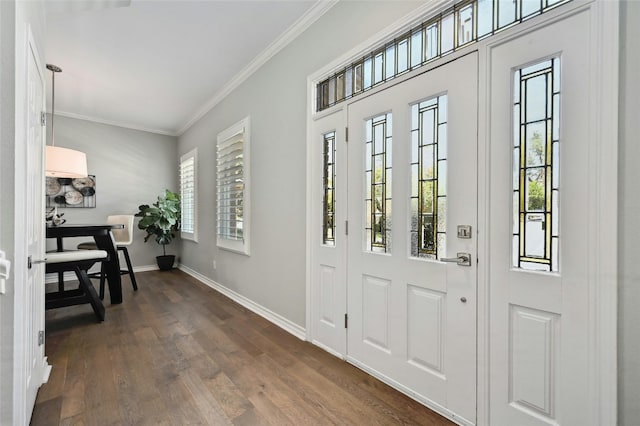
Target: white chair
{"points": [[79, 262], [123, 237]]}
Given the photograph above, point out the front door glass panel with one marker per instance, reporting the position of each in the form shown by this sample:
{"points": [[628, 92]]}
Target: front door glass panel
{"points": [[428, 178], [378, 139], [536, 137]]}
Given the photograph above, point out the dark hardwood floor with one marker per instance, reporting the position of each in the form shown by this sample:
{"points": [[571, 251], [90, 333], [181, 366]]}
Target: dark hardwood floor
{"points": [[179, 353]]}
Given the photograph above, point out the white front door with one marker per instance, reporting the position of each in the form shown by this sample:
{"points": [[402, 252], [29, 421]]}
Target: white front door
{"points": [[541, 199], [412, 153], [33, 309]]}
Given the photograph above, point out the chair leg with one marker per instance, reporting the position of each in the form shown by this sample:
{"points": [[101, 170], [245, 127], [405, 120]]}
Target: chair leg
{"points": [[103, 275], [61, 281], [129, 268], [87, 287]]}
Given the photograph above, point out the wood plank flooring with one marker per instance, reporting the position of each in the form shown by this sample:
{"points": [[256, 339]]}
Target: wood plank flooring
{"points": [[179, 353]]}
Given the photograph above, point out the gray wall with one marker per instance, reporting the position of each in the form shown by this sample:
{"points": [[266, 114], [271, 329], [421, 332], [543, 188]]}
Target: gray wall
{"points": [[629, 208], [7, 155], [131, 167], [275, 98]]}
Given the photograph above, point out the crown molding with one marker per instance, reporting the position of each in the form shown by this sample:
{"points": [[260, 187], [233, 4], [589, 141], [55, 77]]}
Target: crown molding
{"points": [[305, 21], [83, 6], [116, 123]]}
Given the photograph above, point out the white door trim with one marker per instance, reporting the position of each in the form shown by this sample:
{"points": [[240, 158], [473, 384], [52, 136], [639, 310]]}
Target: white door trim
{"points": [[20, 415], [604, 263], [603, 148]]}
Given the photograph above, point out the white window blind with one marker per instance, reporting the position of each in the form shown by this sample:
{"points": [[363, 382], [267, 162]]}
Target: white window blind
{"points": [[188, 195], [233, 188]]}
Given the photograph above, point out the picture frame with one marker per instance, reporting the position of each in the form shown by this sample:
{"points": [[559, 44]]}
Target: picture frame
{"points": [[71, 192]]}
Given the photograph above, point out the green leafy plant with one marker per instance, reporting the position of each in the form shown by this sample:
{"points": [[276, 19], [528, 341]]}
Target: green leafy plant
{"points": [[162, 219]]}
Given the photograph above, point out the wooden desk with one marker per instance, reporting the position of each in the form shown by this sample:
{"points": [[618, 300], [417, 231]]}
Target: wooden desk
{"points": [[104, 240]]}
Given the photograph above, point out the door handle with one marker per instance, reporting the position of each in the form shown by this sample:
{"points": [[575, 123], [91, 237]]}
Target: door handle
{"points": [[463, 259]]}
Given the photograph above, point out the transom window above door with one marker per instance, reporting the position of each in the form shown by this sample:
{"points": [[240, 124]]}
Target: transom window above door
{"points": [[464, 24]]}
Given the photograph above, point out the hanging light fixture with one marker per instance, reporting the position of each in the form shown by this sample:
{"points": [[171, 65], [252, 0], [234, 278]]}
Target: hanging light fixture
{"points": [[62, 162]]}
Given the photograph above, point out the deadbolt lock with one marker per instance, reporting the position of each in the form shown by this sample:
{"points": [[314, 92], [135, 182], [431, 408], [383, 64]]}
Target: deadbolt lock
{"points": [[464, 231]]}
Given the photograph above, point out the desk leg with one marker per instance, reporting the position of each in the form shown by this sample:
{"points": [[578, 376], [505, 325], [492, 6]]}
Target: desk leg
{"points": [[112, 266]]}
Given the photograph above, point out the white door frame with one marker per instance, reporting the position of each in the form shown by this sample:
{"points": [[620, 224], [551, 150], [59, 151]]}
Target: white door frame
{"points": [[603, 147]]}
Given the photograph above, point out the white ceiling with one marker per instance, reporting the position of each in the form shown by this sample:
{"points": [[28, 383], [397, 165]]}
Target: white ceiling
{"points": [[157, 65]]}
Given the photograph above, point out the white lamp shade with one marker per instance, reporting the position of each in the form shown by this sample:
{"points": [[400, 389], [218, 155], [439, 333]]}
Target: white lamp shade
{"points": [[64, 162]]}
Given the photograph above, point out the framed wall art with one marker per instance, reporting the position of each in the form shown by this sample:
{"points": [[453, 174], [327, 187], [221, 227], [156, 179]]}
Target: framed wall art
{"points": [[68, 192]]}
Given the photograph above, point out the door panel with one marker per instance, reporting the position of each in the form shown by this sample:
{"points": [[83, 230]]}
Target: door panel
{"points": [[328, 243], [412, 317], [538, 319], [425, 318], [375, 313], [328, 286]]}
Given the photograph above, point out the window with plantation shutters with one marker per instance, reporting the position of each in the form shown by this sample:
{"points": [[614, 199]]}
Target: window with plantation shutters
{"points": [[188, 195], [232, 228]]}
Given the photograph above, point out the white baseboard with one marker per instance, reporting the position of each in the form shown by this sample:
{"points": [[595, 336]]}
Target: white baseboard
{"points": [[279, 320], [71, 276], [145, 268]]}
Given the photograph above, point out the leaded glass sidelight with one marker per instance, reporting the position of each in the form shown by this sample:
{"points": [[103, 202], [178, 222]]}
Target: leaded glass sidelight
{"points": [[536, 138], [378, 141], [428, 178], [329, 179]]}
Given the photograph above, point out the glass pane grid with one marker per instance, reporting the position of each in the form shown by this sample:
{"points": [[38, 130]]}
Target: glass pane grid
{"points": [[464, 24], [428, 182], [329, 178], [536, 166], [377, 200]]}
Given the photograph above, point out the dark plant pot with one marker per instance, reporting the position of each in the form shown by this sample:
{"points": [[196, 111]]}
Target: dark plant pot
{"points": [[165, 263]]}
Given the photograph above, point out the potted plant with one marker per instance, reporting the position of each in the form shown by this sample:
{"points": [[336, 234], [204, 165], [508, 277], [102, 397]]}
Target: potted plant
{"points": [[160, 221]]}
